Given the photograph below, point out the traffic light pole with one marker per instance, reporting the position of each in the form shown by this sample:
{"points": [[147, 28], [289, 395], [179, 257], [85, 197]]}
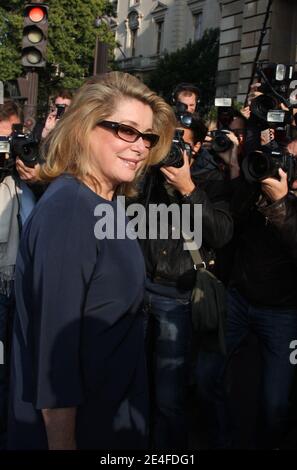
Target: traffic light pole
{"points": [[101, 49], [100, 58], [30, 82]]}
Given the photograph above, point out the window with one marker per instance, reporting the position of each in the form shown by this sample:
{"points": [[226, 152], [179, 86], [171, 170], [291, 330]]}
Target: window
{"points": [[133, 41], [133, 21], [160, 25], [115, 6], [197, 26]]}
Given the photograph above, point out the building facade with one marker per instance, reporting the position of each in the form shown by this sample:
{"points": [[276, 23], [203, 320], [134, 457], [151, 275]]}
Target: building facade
{"points": [[147, 29], [241, 25]]}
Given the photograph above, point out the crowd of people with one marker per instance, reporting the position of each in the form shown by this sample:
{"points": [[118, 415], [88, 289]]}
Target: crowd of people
{"points": [[104, 338]]}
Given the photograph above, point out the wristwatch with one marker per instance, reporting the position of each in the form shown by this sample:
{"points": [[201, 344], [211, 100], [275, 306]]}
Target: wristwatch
{"points": [[187, 197]]}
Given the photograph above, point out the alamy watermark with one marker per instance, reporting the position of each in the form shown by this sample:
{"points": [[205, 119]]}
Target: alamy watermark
{"points": [[293, 355], [153, 222]]}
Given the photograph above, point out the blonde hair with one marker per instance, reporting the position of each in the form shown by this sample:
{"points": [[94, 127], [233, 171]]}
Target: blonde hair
{"points": [[66, 149]]}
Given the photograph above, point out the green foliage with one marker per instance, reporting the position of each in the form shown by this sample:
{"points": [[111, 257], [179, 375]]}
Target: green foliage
{"points": [[10, 36], [71, 41], [72, 37], [195, 63]]}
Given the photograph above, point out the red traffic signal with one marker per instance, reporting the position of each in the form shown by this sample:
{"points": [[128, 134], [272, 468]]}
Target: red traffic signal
{"points": [[36, 14], [35, 35]]}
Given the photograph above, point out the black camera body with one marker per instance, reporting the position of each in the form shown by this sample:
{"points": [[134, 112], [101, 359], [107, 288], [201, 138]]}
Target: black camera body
{"points": [[265, 163], [60, 110], [225, 111], [175, 156], [277, 82], [18, 144], [26, 147], [221, 141], [276, 76]]}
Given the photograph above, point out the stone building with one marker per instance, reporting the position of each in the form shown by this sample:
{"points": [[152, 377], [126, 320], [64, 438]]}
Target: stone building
{"points": [[146, 29], [241, 24]]}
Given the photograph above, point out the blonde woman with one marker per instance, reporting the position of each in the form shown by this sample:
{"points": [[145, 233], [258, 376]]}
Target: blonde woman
{"points": [[78, 374]]}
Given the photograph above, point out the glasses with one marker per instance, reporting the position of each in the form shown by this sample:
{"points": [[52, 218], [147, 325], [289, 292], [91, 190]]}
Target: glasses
{"points": [[129, 134]]}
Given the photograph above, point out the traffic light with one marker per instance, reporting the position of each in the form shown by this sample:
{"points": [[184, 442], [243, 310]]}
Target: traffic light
{"points": [[35, 35]]}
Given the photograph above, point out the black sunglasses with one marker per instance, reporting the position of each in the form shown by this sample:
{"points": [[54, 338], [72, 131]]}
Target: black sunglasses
{"points": [[129, 134]]}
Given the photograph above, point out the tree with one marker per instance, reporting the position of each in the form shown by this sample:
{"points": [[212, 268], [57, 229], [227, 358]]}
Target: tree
{"points": [[72, 37], [71, 42], [195, 63], [11, 23]]}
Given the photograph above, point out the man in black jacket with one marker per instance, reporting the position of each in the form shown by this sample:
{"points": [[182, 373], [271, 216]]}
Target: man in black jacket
{"points": [[171, 277], [263, 296]]}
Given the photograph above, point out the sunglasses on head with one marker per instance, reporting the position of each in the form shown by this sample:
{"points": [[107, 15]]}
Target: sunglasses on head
{"points": [[130, 134]]}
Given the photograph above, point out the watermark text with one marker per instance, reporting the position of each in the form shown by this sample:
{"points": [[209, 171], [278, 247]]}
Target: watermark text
{"points": [[156, 221]]}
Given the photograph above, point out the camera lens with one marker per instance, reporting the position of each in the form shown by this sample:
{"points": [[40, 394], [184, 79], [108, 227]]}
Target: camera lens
{"points": [[174, 158], [221, 142], [259, 165], [186, 120], [261, 105]]}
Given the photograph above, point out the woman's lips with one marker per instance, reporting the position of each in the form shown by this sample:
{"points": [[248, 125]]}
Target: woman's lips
{"points": [[131, 163]]}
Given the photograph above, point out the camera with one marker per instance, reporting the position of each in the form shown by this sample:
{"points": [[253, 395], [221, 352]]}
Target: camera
{"points": [[275, 77], [175, 156], [277, 82], [60, 110], [265, 163], [18, 144], [221, 141], [182, 115], [264, 113], [225, 111]]}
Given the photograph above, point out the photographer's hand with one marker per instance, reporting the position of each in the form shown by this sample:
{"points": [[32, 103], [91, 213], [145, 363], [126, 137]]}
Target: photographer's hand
{"points": [[275, 189], [180, 178], [27, 174], [254, 92], [267, 136], [246, 112], [230, 157], [49, 124]]}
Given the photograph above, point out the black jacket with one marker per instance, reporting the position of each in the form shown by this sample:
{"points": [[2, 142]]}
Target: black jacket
{"points": [[167, 262], [265, 267]]}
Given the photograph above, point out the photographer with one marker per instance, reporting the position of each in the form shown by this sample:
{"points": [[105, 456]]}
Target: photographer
{"points": [[16, 202], [171, 278], [188, 94], [262, 296], [60, 105]]}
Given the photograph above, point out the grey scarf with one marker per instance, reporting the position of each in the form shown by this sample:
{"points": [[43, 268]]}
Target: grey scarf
{"points": [[9, 232]]}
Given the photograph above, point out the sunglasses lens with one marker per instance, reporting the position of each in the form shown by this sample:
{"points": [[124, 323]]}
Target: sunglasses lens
{"points": [[127, 133], [150, 140]]}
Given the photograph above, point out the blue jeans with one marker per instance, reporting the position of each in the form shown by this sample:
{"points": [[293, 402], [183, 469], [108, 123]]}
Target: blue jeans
{"points": [[275, 329], [6, 311], [168, 335]]}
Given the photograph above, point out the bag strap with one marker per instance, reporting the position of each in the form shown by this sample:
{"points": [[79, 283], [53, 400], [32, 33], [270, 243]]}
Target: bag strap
{"points": [[195, 254]]}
